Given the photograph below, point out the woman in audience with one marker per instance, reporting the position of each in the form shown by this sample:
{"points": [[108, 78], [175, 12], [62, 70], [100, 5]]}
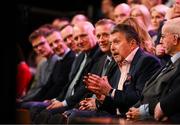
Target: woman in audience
{"points": [[145, 39], [157, 16], [142, 14]]}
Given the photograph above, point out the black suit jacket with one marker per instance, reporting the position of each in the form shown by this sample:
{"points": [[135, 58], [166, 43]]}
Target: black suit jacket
{"points": [[166, 89], [112, 74], [143, 66], [79, 88], [58, 78]]}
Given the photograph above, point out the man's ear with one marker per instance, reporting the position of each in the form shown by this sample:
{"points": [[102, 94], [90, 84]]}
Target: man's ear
{"points": [[176, 39], [133, 42]]}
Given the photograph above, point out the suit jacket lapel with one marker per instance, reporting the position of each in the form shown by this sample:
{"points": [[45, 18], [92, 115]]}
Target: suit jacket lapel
{"points": [[110, 67], [135, 61], [155, 77]]}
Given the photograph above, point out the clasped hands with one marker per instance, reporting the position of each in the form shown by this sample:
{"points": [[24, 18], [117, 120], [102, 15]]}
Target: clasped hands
{"points": [[134, 113], [53, 104], [98, 85]]}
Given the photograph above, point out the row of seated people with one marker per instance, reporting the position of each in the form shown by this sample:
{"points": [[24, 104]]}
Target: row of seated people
{"points": [[149, 18], [113, 72]]}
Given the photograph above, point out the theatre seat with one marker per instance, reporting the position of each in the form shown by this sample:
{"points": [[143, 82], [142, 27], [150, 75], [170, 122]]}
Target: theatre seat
{"points": [[23, 116]]}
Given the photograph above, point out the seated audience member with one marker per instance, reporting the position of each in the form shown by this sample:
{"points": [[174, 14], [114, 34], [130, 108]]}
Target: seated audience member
{"points": [[174, 12], [60, 22], [121, 11], [145, 39], [157, 16], [159, 49], [74, 91], [133, 3], [78, 18], [135, 66], [143, 15], [161, 92], [42, 48], [151, 3], [110, 70], [67, 35], [107, 7], [60, 74]]}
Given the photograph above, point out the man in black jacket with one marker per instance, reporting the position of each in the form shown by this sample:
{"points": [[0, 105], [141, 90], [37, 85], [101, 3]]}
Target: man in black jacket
{"points": [[160, 96], [110, 70], [75, 91], [136, 67], [60, 73]]}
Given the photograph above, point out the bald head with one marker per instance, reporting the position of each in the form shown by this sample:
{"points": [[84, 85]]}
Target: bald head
{"points": [[121, 11], [172, 26], [171, 36], [78, 18], [84, 35]]}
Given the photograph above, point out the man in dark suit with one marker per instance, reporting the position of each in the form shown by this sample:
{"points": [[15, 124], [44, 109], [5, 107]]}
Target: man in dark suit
{"points": [[74, 91], [45, 68], [60, 73], [110, 69], [136, 67], [161, 93]]}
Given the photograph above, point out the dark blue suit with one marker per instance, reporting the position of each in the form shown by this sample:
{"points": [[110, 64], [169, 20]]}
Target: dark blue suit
{"points": [[143, 66]]}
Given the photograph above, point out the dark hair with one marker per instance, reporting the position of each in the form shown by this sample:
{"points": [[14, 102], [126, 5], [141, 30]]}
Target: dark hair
{"points": [[63, 27], [43, 30], [129, 31]]}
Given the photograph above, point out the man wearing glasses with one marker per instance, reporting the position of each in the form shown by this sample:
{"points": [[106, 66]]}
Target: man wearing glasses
{"points": [[160, 96]]}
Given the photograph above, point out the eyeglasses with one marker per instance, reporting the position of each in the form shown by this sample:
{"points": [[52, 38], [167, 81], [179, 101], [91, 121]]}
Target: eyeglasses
{"points": [[39, 44], [174, 34]]}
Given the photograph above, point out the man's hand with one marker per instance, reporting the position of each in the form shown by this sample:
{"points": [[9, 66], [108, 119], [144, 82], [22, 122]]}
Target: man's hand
{"points": [[98, 85], [88, 104], [133, 113], [55, 104]]}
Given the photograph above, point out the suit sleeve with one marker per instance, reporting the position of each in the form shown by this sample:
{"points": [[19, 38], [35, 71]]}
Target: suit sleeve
{"points": [[171, 104]]}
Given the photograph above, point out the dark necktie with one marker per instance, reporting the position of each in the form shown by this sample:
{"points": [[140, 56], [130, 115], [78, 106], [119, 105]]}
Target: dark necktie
{"points": [[105, 67], [165, 69], [75, 79]]}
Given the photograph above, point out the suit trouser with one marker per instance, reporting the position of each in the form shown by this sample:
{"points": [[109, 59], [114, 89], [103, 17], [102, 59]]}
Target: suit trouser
{"points": [[40, 115]]}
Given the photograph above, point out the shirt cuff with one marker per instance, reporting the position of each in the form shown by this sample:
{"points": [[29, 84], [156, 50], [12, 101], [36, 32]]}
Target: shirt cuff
{"points": [[64, 103], [144, 111], [113, 93]]}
